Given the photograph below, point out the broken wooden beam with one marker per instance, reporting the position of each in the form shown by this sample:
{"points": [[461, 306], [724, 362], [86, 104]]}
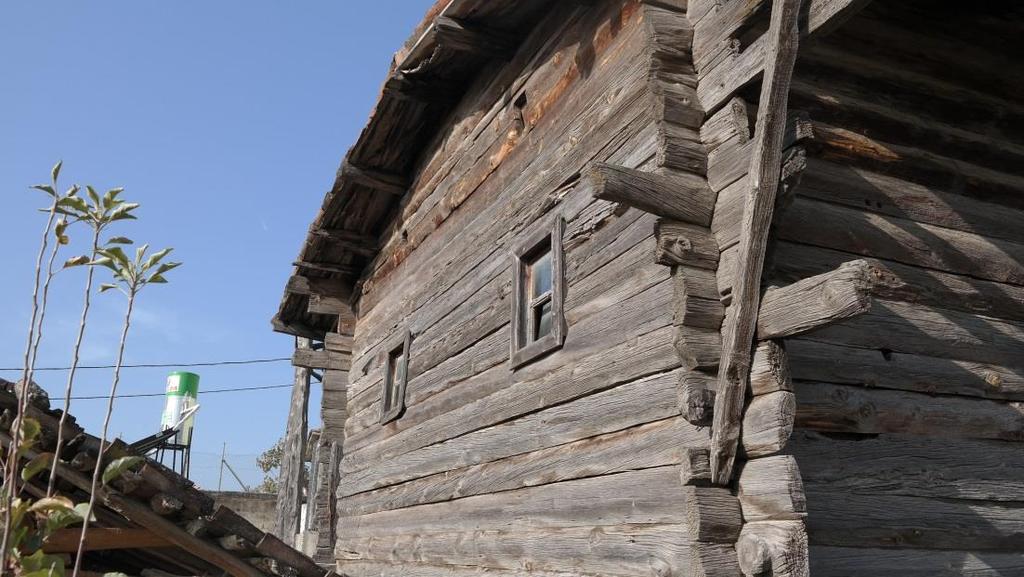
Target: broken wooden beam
{"points": [[463, 36], [680, 196]]}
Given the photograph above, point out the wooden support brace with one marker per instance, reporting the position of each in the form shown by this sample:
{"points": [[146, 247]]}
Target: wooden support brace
{"points": [[780, 47], [348, 240], [103, 538], [679, 196], [379, 180], [325, 267]]}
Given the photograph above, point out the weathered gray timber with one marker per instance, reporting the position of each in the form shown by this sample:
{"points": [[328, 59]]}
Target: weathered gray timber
{"points": [[824, 268], [289, 497], [734, 369]]}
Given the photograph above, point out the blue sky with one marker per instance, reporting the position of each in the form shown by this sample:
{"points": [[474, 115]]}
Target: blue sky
{"points": [[226, 120]]}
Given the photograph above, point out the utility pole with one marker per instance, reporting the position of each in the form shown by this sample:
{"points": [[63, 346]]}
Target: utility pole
{"points": [[223, 454]]}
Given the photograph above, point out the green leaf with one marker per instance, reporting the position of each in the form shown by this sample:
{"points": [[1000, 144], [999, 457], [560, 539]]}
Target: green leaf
{"points": [[93, 195], [110, 198], [55, 171], [73, 190], [76, 203], [34, 467], [45, 188], [118, 467], [155, 258], [122, 212], [40, 564], [139, 253], [77, 261], [167, 266], [120, 240], [104, 262], [157, 279], [105, 287], [82, 509], [116, 254], [30, 431]]}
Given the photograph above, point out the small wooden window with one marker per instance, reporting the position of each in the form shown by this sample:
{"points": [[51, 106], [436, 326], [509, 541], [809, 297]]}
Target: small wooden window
{"points": [[538, 324], [396, 375]]}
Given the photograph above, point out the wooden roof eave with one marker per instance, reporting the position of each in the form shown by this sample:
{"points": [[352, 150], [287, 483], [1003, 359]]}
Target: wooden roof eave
{"points": [[416, 78]]}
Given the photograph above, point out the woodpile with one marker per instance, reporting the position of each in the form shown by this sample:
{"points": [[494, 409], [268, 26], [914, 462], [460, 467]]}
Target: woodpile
{"points": [[150, 520]]}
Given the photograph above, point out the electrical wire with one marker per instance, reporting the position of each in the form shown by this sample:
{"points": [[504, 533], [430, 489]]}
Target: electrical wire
{"points": [[206, 392], [160, 365]]}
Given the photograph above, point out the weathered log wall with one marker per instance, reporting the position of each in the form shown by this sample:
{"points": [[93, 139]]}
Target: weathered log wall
{"points": [[571, 463], [909, 422]]}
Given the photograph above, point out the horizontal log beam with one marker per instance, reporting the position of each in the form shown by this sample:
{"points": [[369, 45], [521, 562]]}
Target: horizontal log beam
{"points": [[776, 548], [768, 423], [325, 267], [102, 539], [770, 489], [321, 359], [817, 301], [682, 244], [679, 196], [301, 285]]}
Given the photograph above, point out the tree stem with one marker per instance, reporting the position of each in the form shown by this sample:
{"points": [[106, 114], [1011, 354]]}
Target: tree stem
{"points": [[74, 361], [106, 425]]}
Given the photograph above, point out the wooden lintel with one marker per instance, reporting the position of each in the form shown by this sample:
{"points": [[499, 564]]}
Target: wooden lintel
{"points": [[379, 180], [351, 241], [325, 267], [103, 538], [780, 50], [818, 301], [321, 359], [462, 36], [678, 196]]}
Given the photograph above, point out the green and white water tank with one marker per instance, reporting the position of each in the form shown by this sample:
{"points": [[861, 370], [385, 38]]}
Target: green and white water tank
{"points": [[181, 402]]}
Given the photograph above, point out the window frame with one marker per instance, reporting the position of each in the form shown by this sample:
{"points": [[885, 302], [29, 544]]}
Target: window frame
{"points": [[391, 411], [523, 350]]}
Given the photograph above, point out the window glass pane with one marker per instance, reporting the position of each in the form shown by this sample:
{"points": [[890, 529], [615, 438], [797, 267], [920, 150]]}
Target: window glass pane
{"points": [[542, 320], [395, 376], [539, 271]]}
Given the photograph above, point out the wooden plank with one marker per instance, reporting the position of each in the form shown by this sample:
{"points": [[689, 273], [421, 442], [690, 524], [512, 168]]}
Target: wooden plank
{"points": [[347, 240], [623, 550], [655, 444], [645, 400], [696, 396], [679, 196], [289, 496], [870, 234], [912, 562], [818, 301], [929, 331], [325, 267], [907, 464], [271, 546], [845, 409], [102, 538], [871, 367], [461, 36], [844, 519], [739, 328]]}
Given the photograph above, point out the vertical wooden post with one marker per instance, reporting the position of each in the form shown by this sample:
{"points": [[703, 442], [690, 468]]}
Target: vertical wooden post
{"points": [[780, 48], [289, 496]]}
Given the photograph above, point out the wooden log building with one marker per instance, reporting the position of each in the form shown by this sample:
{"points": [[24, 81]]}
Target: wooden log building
{"points": [[676, 287]]}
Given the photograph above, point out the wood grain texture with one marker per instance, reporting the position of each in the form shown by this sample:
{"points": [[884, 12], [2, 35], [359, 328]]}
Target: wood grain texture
{"points": [[679, 196], [781, 42]]}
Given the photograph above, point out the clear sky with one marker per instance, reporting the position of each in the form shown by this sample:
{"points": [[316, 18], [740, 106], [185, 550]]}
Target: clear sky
{"points": [[226, 120]]}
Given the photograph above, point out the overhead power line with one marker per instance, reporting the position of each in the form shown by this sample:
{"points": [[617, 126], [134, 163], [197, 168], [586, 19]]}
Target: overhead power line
{"points": [[159, 365], [206, 392]]}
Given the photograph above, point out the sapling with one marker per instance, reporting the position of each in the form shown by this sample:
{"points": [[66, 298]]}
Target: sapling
{"points": [[101, 213], [10, 470], [130, 277]]}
